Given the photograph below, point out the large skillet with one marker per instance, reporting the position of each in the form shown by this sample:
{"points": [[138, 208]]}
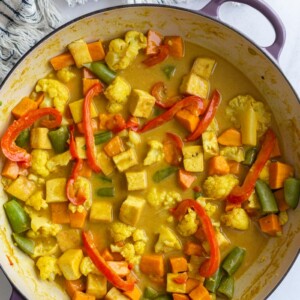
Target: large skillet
{"points": [[203, 28]]}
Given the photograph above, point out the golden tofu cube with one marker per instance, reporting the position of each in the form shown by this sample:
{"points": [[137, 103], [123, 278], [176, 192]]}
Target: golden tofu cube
{"points": [[69, 239], [141, 103], [105, 162], [193, 158], [210, 144], [136, 180], [173, 286], [101, 211], [80, 147], [193, 84], [76, 109], [96, 285], [80, 52], [203, 67], [115, 294], [56, 190], [126, 159], [69, 263], [21, 188], [131, 209], [39, 138]]}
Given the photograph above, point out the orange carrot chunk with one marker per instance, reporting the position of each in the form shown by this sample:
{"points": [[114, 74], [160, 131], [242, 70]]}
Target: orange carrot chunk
{"points": [[114, 146], [185, 178], [191, 248], [60, 213], [77, 219], [180, 297], [217, 165], [178, 264], [279, 172], [96, 50], [82, 296], [230, 137], [270, 224], [187, 119], [175, 45], [71, 286], [199, 293], [152, 264], [191, 284], [62, 61]]}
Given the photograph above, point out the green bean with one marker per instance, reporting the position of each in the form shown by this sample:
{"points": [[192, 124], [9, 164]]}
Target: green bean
{"points": [[169, 71], [164, 297], [292, 192], [23, 138], [25, 244], [250, 156], [105, 178], [266, 197], [150, 293], [227, 286], [106, 192], [18, 218], [102, 137], [59, 139], [212, 283], [233, 260], [163, 173], [103, 72]]}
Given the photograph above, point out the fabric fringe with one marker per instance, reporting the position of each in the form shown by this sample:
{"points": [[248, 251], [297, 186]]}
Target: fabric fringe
{"points": [[34, 20]]}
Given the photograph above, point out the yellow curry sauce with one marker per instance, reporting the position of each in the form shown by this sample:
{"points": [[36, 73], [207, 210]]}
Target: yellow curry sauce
{"points": [[152, 228]]}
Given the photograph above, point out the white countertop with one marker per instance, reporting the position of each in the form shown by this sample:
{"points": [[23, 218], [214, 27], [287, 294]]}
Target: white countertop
{"points": [[289, 62]]}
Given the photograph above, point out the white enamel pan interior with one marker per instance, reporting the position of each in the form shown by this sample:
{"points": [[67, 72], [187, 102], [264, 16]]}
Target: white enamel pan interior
{"points": [[263, 276]]}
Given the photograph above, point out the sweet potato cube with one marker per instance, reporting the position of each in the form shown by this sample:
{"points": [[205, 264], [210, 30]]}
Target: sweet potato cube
{"points": [[178, 264], [152, 264], [135, 294], [96, 50], [114, 147], [199, 293], [188, 120], [78, 295], [23, 107], [60, 213]]}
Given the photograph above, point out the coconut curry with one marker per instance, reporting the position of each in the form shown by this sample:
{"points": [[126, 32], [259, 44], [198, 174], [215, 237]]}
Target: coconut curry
{"points": [[144, 167]]}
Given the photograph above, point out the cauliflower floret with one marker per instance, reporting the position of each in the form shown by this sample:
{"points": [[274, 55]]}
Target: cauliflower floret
{"points": [[56, 90], [39, 159], [236, 218], [241, 103], [87, 266], [155, 154], [128, 252], [65, 75], [117, 93], [48, 267], [219, 187], [120, 231], [188, 225], [139, 247], [167, 241], [139, 235], [233, 153], [167, 199], [38, 180], [76, 208], [58, 160], [37, 201], [121, 53]]}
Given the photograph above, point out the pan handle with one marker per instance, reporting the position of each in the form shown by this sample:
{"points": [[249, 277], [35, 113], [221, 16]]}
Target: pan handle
{"points": [[212, 10]]}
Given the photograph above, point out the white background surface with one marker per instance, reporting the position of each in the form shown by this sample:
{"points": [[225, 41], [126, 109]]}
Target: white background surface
{"points": [[261, 32]]}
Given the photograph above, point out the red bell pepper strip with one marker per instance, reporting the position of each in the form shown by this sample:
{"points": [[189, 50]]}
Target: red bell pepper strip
{"points": [[172, 146], [103, 267], [80, 197], [209, 266], [241, 193], [163, 53], [207, 118], [88, 130], [168, 115], [8, 145]]}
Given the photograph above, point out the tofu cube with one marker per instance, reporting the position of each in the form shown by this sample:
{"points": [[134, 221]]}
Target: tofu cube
{"points": [[131, 209], [173, 286], [80, 147], [115, 294], [39, 138], [126, 159], [56, 190], [203, 67], [105, 163], [96, 285], [80, 52], [76, 109], [136, 180], [69, 239], [210, 144], [69, 263], [141, 103], [101, 211], [118, 91], [193, 158], [21, 188], [193, 84]]}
